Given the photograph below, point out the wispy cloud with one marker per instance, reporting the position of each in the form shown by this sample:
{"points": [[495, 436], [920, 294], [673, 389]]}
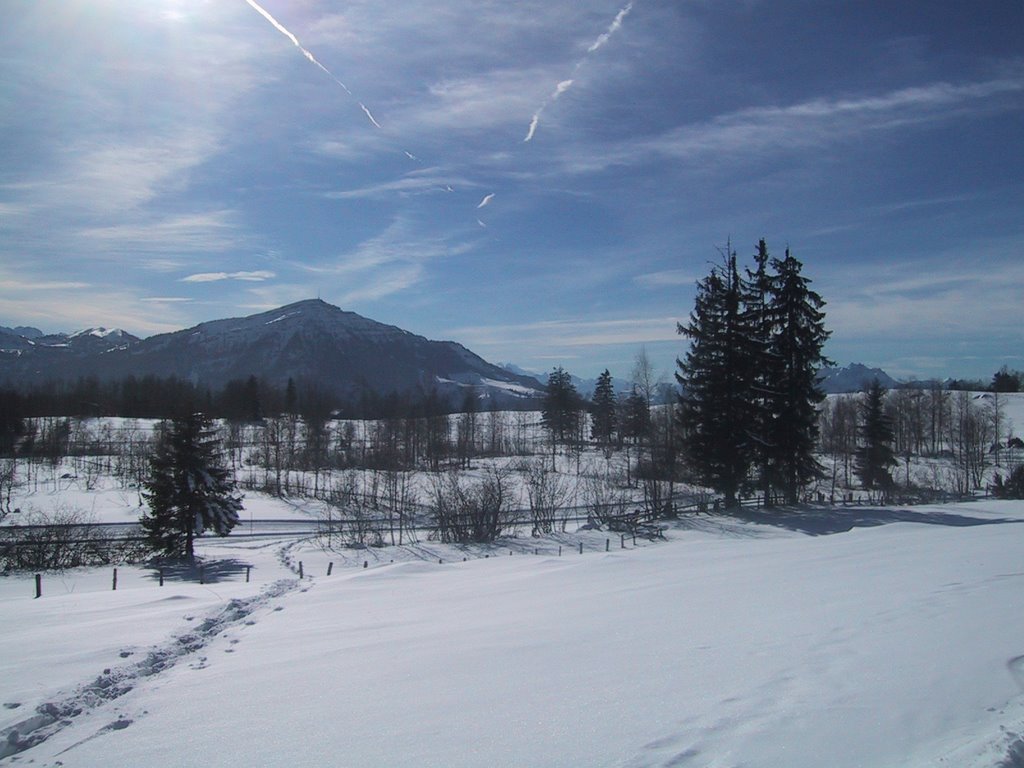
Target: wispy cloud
{"points": [[573, 333], [255, 276], [38, 286], [665, 278], [738, 135], [422, 182], [486, 201], [943, 297], [205, 232], [390, 262]]}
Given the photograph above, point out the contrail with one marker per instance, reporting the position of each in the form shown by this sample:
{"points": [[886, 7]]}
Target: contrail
{"points": [[565, 85], [612, 29], [284, 31], [363, 107]]}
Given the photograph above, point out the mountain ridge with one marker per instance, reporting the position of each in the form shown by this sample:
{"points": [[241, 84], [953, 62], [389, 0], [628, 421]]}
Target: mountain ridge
{"points": [[338, 351]]}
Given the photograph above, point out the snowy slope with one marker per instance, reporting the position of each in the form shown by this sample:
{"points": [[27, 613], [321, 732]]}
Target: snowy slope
{"points": [[731, 644]]}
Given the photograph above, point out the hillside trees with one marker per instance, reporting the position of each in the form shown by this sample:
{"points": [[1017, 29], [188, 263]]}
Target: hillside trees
{"points": [[749, 380], [188, 489]]}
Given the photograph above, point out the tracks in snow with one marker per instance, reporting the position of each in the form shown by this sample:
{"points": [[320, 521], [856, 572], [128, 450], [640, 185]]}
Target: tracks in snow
{"points": [[52, 717]]}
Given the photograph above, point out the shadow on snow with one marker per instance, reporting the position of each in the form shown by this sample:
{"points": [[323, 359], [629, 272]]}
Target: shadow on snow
{"points": [[207, 571], [818, 521]]}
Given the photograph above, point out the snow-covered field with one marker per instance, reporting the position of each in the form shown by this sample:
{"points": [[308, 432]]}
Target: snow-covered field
{"points": [[895, 643]]}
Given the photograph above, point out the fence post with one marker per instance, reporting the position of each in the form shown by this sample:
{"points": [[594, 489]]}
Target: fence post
{"points": [[247, 569], [161, 575], [300, 569], [115, 580], [581, 547], [202, 574], [607, 544], [330, 567], [559, 550], [39, 585], [622, 540]]}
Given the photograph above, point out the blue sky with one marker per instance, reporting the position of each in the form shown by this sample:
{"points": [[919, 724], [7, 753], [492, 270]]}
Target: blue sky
{"points": [[543, 182]]}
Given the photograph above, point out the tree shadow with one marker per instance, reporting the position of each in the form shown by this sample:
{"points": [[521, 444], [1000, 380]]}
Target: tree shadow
{"points": [[824, 521], [201, 570]]}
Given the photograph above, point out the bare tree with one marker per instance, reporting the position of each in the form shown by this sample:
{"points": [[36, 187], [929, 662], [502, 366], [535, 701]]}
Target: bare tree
{"points": [[603, 499], [8, 482], [548, 493], [472, 510]]}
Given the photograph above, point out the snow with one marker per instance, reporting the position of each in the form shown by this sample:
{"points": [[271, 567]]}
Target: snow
{"points": [[285, 316], [733, 643], [100, 332]]}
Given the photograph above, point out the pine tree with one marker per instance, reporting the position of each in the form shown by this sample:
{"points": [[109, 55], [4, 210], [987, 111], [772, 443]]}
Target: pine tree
{"points": [[716, 379], [636, 416], [875, 456], [757, 294], [188, 490], [560, 410], [794, 358], [602, 411]]}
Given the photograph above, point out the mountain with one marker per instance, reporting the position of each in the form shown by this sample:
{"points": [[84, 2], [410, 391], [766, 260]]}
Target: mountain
{"points": [[309, 341], [26, 331], [853, 378]]}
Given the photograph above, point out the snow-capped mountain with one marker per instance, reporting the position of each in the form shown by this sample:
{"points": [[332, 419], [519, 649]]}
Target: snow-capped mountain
{"points": [[309, 341], [853, 378]]}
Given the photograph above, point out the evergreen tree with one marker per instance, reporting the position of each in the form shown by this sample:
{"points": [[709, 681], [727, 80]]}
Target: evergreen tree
{"points": [[188, 490], [875, 456], [794, 358], [560, 409], [602, 411], [636, 416], [716, 379], [757, 295], [1005, 380]]}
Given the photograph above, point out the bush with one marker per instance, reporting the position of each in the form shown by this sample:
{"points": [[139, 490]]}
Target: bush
{"points": [[64, 539], [1013, 488]]}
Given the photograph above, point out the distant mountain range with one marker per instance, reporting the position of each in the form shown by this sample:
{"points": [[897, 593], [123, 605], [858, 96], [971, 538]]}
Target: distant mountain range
{"points": [[312, 341]]}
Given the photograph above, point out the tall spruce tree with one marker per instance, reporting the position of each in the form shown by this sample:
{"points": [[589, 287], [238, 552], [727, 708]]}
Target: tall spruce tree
{"points": [[757, 295], [602, 410], [794, 357], [189, 489], [716, 382], [875, 456], [561, 407]]}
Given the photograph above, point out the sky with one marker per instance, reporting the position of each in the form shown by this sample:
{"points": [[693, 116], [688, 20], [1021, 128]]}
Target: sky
{"points": [[544, 182]]}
